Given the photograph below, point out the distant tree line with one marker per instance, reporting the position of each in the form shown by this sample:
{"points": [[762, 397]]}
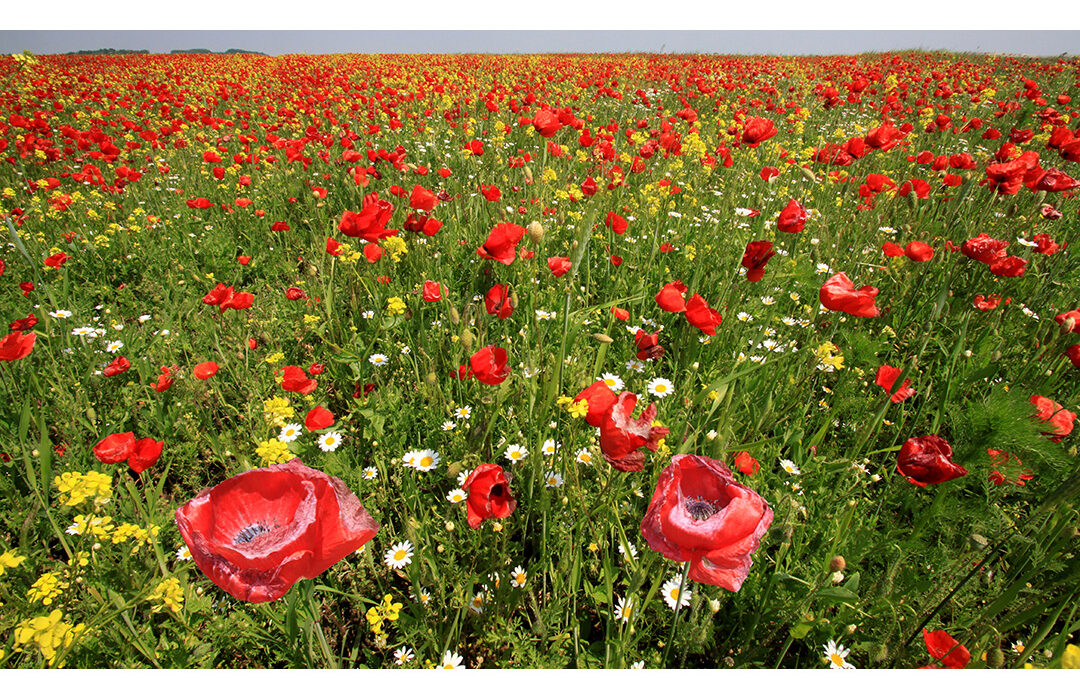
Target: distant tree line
{"points": [[111, 52]]}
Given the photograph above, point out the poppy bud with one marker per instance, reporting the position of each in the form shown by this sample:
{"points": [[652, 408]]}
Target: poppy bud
{"points": [[431, 378], [536, 232], [809, 174], [606, 339], [467, 339], [995, 658], [837, 564], [454, 316]]}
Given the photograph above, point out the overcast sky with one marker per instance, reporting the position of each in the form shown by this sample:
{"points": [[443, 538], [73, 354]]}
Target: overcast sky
{"points": [[1043, 43]]}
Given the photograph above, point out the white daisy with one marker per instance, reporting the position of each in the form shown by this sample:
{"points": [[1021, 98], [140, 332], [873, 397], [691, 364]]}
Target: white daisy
{"points": [[542, 315], [114, 346], [449, 425], [118, 326], [290, 432], [367, 314], [427, 460], [378, 359], [399, 555], [550, 447], [329, 442], [583, 457], [789, 467], [768, 301], [553, 480], [423, 597], [144, 318], [660, 387], [60, 313], [794, 296], [405, 350], [672, 595], [516, 453], [183, 554], [823, 269], [613, 381], [624, 611], [628, 558], [456, 496], [83, 332], [451, 661], [403, 656], [744, 317], [370, 473], [635, 366], [836, 655], [638, 664], [517, 577], [463, 412]]}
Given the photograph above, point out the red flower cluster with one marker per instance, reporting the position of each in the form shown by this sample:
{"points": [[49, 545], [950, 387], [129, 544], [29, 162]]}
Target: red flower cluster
{"points": [[123, 447]]}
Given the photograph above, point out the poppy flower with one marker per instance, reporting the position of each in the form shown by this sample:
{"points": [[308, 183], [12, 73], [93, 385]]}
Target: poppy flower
{"points": [[886, 379], [700, 316], [839, 294], [546, 123], [946, 650], [746, 464], [243, 259], [1053, 414], [256, 534], [500, 243], [432, 291], [1000, 459], [701, 514], [757, 254], [24, 324], [648, 345], [892, 250], [115, 448], [56, 261], [600, 399], [792, 218], [488, 490], [918, 251], [1073, 353], [205, 370], [498, 302], [164, 380], [559, 266], [927, 460], [989, 303], [333, 247], [621, 436], [294, 294], [294, 379], [422, 198], [118, 366], [758, 129], [616, 223], [240, 301], [370, 222], [672, 297], [15, 346], [488, 365], [1009, 266], [318, 418], [620, 313], [145, 454]]}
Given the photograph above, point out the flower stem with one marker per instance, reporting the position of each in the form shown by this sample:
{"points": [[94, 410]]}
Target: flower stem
{"points": [[678, 610]]}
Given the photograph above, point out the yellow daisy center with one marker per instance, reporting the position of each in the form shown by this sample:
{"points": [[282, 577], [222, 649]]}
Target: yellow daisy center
{"points": [[399, 555]]}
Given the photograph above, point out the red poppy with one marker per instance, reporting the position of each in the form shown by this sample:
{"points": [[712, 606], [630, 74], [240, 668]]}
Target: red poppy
{"points": [[1073, 353], [1000, 459], [279, 226], [1053, 414], [24, 324], [294, 294], [621, 436], [117, 366], [886, 379], [56, 261], [500, 243], [498, 302], [370, 222], [701, 514], [15, 346], [839, 294], [205, 370], [918, 251], [115, 448], [488, 365], [672, 297], [491, 193], [559, 266], [892, 250], [946, 650], [145, 454], [769, 173], [240, 301], [164, 380], [792, 218], [927, 460], [757, 254], [422, 198], [256, 534], [373, 253], [488, 489], [546, 123], [984, 249], [758, 129], [648, 345], [700, 316], [332, 246], [318, 418], [294, 379], [600, 398], [1010, 266], [243, 259], [746, 464], [986, 303], [616, 223], [1069, 321], [620, 313], [433, 291]]}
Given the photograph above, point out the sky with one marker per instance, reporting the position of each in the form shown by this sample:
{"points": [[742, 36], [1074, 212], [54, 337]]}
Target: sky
{"points": [[789, 42]]}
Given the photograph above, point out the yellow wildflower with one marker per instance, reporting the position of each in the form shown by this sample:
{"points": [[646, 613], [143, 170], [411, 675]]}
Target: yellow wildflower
{"points": [[9, 560], [49, 634], [76, 488], [274, 451], [171, 595]]}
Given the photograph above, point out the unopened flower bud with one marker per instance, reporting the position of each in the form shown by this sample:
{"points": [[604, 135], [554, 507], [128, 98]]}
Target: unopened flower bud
{"points": [[606, 339], [467, 339], [837, 563], [536, 232], [454, 316]]}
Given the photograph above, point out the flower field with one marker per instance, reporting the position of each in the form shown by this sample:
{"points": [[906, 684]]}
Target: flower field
{"points": [[569, 361]]}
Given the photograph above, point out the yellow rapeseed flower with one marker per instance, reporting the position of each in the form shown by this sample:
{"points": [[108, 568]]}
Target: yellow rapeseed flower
{"points": [[9, 560], [49, 634]]}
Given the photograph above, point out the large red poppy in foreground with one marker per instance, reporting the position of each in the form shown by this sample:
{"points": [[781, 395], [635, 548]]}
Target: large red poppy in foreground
{"points": [[259, 532], [700, 514]]}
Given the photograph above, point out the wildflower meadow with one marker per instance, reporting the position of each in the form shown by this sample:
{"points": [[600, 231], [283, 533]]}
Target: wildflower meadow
{"points": [[564, 361]]}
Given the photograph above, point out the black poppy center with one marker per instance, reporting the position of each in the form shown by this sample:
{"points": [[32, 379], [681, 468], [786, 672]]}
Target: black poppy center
{"points": [[699, 508], [250, 532], [497, 491]]}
